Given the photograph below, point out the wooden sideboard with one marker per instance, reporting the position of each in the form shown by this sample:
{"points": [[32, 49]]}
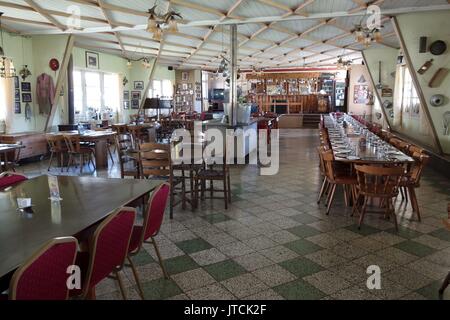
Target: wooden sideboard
{"points": [[35, 143]]}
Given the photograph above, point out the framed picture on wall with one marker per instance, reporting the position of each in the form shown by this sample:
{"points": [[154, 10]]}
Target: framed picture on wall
{"points": [[135, 95], [26, 87], [92, 60], [17, 108], [126, 104], [16, 82], [139, 85], [361, 94], [17, 95], [126, 95], [185, 76], [26, 97], [134, 104]]}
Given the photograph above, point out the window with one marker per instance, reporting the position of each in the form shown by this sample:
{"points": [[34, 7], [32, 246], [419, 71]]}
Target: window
{"points": [[161, 89], [95, 91]]}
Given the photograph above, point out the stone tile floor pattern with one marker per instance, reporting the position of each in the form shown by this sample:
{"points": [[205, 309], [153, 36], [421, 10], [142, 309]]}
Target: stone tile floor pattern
{"points": [[275, 242]]}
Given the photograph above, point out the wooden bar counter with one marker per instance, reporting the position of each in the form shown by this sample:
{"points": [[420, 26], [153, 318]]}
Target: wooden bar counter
{"points": [[310, 103]]}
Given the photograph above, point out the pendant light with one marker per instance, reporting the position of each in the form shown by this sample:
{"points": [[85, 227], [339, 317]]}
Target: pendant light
{"points": [[7, 69]]}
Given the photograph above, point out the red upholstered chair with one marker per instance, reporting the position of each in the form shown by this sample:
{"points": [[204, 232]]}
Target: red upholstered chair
{"points": [[44, 276], [8, 179], [150, 228], [108, 248]]}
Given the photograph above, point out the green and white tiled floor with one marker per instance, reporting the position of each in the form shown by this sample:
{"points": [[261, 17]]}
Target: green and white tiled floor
{"points": [[275, 242]]}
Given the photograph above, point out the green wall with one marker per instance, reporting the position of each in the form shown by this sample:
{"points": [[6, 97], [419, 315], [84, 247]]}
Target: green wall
{"points": [[435, 26], [37, 51]]}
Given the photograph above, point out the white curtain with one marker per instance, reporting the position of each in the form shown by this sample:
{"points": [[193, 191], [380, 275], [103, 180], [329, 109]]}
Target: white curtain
{"points": [[7, 102], [398, 95]]}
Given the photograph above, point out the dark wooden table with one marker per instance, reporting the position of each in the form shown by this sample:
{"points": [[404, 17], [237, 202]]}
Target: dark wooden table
{"points": [[86, 201], [6, 149], [100, 138]]}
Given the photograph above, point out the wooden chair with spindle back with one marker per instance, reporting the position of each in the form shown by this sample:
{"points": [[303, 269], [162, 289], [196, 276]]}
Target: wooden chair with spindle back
{"points": [[376, 182], [415, 149], [119, 128], [399, 144], [77, 151], [128, 161], [57, 147], [155, 162], [336, 177], [411, 180]]}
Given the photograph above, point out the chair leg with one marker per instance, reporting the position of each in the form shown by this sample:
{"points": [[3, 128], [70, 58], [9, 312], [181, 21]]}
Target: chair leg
{"points": [[172, 199], [136, 277], [363, 212], [225, 192], [322, 190], [390, 209], [61, 158], [444, 286], [69, 163], [330, 202], [51, 160], [121, 286], [229, 187], [414, 202], [161, 263], [211, 186], [81, 163]]}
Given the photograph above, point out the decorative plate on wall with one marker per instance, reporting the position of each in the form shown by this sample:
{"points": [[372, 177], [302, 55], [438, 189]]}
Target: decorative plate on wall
{"points": [[438, 47]]}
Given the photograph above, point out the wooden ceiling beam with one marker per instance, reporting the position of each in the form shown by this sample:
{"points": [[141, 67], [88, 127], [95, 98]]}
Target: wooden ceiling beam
{"points": [[106, 15], [45, 14]]}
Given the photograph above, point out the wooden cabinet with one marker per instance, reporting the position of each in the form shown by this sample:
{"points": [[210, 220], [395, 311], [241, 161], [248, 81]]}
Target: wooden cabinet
{"points": [[35, 143]]}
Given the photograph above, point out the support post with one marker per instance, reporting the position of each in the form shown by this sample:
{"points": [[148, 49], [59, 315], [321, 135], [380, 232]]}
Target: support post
{"points": [[149, 85], [234, 70], [60, 81]]}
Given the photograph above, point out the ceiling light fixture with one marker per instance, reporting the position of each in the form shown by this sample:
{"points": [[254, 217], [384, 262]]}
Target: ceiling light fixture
{"points": [[158, 22], [7, 69], [366, 35]]}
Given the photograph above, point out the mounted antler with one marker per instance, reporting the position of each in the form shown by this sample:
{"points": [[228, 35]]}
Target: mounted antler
{"points": [[171, 15], [152, 11]]}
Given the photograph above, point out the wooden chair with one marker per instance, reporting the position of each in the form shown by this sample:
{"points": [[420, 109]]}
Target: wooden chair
{"points": [[378, 183], [57, 148], [386, 135], [399, 144], [128, 160], [119, 128], [155, 162], [213, 170], [415, 149], [335, 178], [111, 143], [77, 151], [44, 275], [411, 180]]}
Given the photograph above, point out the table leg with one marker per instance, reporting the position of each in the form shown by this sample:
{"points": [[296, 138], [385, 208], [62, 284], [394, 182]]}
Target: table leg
{"points": [[101, 154]]}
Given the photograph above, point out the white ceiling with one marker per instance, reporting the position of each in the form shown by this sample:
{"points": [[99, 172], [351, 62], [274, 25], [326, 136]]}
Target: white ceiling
{"points": [[271, 33]]}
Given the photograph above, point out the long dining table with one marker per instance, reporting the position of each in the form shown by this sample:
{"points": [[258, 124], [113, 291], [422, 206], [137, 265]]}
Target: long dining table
{"points": [[85, 201], [345, 134]]}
